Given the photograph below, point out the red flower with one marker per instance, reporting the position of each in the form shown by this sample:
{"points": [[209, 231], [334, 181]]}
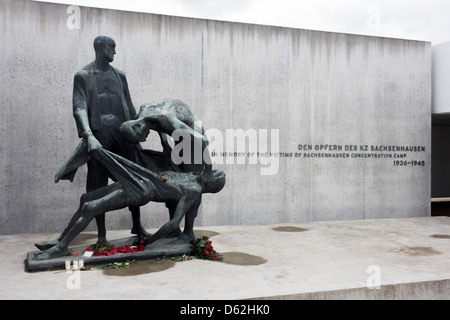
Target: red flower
{"points": [[215, 256], [164, 179]]}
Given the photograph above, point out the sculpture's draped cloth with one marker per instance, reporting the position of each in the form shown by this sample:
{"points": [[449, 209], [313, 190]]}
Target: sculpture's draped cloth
{"points": [[136, 179]]}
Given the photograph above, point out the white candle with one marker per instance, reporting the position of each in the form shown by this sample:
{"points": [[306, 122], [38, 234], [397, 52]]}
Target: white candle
{"points": [[75, 265], [81, 264], [67, 264]]}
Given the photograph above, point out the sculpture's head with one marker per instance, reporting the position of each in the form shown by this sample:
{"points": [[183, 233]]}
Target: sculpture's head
{"points": [[215, 182], [135, 131], [105, 47]]}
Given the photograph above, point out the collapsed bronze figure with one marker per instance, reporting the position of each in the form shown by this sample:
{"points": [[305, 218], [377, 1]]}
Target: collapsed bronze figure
{"points": [[183, 189]]}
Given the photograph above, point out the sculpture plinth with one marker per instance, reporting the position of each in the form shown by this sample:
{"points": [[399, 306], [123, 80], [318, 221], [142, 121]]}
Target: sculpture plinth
{"points": [[161, 248]]}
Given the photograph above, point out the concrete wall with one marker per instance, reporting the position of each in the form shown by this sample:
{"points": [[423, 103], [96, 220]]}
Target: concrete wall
{"points": [[307, 88], [440, 174], [441, 78]]}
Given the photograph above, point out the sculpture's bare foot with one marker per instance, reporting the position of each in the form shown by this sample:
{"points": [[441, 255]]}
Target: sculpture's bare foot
{"points": [[140, 231], [140, 240], [54, 252], [101, 245], [46, 245]]}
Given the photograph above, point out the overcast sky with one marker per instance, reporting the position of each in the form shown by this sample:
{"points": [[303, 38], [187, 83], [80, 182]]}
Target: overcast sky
{"points": [[427, 20]]}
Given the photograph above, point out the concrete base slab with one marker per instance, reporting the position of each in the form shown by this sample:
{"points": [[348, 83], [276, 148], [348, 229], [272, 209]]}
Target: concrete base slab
{"points": [[368, 259]]}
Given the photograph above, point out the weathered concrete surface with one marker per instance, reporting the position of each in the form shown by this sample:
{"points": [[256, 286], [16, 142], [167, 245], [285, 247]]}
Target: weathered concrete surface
{"points": [[317, 260], [441, 78], [315, 88]]}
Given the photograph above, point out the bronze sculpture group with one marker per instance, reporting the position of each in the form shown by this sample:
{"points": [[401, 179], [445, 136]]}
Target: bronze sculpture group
{"points": [[111, 131]]}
